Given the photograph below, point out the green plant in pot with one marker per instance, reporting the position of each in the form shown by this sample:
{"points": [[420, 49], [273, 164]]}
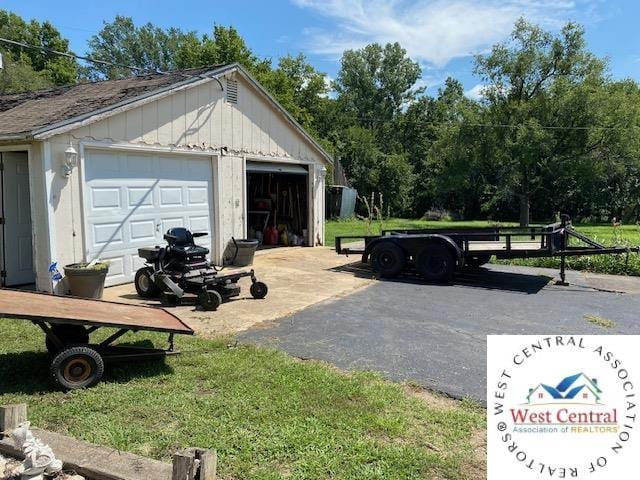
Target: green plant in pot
{"points": [[86, 279]]}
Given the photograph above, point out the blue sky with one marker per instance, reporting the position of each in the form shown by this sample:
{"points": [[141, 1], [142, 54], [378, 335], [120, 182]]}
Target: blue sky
{"points": [[442, 35]]}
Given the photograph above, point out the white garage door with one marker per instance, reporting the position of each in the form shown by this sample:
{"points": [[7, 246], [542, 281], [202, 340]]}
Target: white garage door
{"points": [[132, 199]]}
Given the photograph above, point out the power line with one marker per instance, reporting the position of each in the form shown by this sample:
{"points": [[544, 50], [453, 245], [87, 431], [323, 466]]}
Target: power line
{"points": [[374, 119], [79, 57], [503, 125]]}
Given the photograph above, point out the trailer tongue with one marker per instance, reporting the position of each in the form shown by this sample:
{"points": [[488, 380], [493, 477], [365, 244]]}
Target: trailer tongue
{"points": [[68, 322], [436, 253]]}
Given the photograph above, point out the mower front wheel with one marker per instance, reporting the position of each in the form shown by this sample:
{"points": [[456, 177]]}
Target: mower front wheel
{"points": [[259, 290], [210, 300]]}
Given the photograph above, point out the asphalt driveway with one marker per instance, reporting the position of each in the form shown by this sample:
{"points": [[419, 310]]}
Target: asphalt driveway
{"points": [[435, 335]]}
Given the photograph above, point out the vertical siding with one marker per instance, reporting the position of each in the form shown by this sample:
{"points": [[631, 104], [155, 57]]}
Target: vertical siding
{"points": [[198, 116]]}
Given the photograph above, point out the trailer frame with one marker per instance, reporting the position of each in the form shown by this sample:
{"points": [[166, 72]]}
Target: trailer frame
{"points": [[69, 322], [480, 243]]}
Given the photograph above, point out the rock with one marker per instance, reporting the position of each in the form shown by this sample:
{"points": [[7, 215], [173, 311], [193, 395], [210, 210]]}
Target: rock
{"points": [[72, 477], [3, 464]]}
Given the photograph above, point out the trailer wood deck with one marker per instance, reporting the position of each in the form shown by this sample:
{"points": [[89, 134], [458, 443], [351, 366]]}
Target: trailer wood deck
{"points": [[36, 306]]}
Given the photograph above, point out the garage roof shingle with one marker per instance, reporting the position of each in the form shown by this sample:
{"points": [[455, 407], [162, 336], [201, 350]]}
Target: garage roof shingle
{"points": [[22, 113]]}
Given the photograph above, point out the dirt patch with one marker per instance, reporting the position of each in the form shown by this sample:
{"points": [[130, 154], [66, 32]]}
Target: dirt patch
{"points": [[431, 398], [475, 466]]}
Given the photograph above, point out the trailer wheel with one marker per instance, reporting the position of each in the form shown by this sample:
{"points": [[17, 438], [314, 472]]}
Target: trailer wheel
{"points": [[477, 261], [210, 300], [387, 259], [435, 263], [258, 290], [77, 367], [145, 286], [68, 335]]}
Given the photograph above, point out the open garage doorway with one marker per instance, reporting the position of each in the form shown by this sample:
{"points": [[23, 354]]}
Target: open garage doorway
{"points": [[277, 204]]}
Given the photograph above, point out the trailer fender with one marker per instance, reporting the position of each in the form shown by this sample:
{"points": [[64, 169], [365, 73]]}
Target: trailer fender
{"points": [[376, 241], [408, 244], [453, 247]]}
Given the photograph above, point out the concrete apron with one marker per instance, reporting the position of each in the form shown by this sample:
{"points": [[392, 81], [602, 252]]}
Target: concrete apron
{"points": [[297, 277]]}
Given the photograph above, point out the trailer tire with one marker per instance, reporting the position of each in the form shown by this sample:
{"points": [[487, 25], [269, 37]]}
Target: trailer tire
{"points": [[210, 300], [258, 290], [77, 367], [68, 335], [435, 263], [388, 259], [145, 286], [477, 261]]}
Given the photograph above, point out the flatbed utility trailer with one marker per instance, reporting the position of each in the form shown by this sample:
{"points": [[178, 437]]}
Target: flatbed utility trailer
{"points": [[435, 253], [68, 323]]}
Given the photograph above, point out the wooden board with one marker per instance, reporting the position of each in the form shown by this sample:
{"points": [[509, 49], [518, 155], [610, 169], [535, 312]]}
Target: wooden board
{"points": [[501, 245], [57, 309], [93, 461]]}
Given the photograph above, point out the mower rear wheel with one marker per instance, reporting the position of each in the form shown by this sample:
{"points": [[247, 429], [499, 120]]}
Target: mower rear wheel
{"points": [[210, 300], [145, 286], [77, 367], [258, 290]]}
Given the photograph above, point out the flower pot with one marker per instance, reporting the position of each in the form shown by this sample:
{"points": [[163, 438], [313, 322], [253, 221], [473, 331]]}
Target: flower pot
{"points": [[86, 282]]}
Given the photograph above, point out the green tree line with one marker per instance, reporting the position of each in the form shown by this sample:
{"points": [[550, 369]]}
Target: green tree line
{"points": [[551, 132]]}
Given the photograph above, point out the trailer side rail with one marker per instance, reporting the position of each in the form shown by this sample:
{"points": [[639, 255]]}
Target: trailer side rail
{"points": [[503, 242]]}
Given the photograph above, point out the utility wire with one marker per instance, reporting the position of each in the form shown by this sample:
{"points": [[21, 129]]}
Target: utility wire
{"points": [[373, 120], [79, 57]]}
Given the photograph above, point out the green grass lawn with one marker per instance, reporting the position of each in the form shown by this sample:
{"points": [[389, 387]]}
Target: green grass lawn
{"points": [[269, 415], [628, 235]]}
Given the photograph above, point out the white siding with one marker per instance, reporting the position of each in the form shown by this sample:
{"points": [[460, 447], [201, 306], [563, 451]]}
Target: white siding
{"points": [[197, 119]]}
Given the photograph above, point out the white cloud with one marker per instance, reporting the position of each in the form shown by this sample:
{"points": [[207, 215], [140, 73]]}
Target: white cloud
{"points": [[432, 31], [476, 92]]}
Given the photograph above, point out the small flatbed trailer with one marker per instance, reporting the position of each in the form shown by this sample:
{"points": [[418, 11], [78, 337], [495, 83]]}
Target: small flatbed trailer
{"points": [[435, 253], [68, 323]]}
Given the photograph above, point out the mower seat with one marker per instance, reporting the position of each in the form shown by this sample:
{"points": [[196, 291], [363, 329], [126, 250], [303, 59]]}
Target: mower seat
{"points": [[182, 245]]}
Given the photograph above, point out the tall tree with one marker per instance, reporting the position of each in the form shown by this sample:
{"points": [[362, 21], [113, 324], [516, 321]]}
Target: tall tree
{"points": [[30, 68], [148, 47], [299, 87], [375, 83], [525, 78]]}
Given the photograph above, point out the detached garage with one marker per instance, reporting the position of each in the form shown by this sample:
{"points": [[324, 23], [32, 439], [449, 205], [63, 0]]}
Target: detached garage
{"points": [[98, 170]]}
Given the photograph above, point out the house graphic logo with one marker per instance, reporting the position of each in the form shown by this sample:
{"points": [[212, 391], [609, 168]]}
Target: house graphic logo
{"points": [[574, 389]]}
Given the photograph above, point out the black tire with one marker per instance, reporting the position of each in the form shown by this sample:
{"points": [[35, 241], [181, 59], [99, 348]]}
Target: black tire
{"points": [[477, 261], [68, 335], [388, 259], [435, 263], [145, 286], [77, 367], [259, 290], [210, 300]]}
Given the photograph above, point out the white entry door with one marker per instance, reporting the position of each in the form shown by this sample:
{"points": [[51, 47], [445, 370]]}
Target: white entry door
{"points": [[16, 252], [132, 199]]}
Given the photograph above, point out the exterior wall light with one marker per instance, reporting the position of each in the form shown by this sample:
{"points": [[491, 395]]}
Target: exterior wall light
{"points": [[70, 160]]}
